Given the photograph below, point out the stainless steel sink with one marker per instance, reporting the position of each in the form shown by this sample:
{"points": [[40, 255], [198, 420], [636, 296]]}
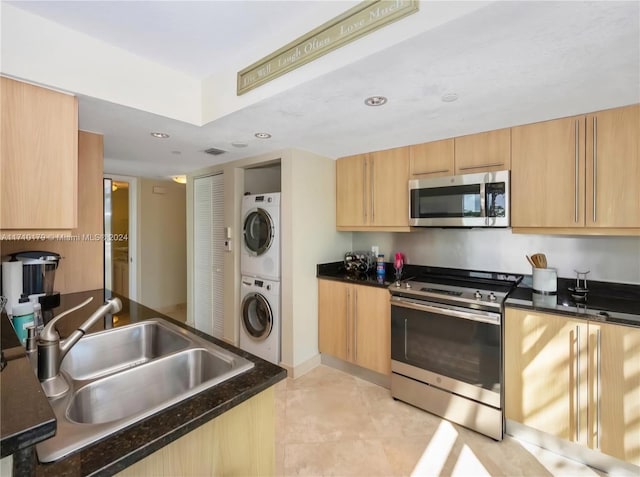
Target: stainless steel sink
{"points": [[163, 381], [109, 351], [123, 375]]}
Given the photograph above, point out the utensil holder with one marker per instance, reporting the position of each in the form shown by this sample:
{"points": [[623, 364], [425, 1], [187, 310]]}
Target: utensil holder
{"points": [[545, 281], [544, 301]]}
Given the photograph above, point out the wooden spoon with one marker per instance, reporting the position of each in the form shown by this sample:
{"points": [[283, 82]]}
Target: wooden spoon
{"points": [[531, 261], [540, 260]]}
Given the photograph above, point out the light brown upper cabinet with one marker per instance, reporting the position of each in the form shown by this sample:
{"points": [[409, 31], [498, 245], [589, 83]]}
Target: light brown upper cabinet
{"points": [[547, 174], [613, 168], [39, 159], [483, 152], [432, 159], [352, 191], [372, 191], [579, 174]]}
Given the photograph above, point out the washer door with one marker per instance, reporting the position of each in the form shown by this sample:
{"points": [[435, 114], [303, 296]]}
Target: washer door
{"points": [[257, 317], [258, 231]]}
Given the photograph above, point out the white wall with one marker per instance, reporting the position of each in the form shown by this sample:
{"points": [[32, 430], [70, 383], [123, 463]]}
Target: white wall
{"points": [[162, 243], [309, 196], [613, 259], [42, 51]]}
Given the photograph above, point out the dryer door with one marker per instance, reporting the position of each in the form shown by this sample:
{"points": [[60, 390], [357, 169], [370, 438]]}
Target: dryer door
{"points": [[257, 317], [258, 231]]}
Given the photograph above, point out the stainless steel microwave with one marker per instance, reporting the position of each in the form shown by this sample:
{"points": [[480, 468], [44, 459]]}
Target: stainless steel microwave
{"points": [[468, 200]]}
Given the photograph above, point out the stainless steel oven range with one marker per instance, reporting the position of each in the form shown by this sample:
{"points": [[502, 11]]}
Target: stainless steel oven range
{"points": [[446, 345]]}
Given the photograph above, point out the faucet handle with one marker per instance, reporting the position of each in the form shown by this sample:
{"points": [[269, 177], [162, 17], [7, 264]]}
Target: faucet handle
{"points": [[49, 333]]}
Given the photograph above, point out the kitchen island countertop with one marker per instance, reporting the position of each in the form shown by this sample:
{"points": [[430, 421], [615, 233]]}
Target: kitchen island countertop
{"points": [[123, 448]]}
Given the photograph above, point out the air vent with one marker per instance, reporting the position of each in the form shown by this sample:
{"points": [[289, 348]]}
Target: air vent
{"points": [[214, 152]]}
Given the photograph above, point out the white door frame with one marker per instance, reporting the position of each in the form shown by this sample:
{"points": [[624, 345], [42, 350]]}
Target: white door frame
{"points": [[134, 285]]}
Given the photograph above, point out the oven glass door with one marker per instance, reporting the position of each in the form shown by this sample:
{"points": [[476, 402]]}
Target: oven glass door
{"points": [[462, 349]]}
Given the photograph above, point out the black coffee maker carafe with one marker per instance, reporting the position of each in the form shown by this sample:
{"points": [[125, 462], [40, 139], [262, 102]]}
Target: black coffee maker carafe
{"points": [[38, 276]]}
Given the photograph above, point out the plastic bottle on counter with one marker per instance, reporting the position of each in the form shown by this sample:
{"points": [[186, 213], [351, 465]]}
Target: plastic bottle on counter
{"points": [[22, 318], [37, 313], [380, 268]]}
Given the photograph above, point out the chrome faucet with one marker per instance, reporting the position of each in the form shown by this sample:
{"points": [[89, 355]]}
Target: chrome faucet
{"points": [[51, 351]]}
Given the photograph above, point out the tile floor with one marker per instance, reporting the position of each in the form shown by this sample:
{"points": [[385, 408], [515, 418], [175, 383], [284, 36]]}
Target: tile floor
{"points": [[329, 423]]}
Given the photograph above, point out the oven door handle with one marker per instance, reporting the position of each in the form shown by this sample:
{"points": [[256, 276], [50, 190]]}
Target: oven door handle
{"points": [[483, 317]]}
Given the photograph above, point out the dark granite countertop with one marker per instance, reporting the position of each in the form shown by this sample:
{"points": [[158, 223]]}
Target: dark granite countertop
{"points": [[123, 448], [26, 416], [336, 271], [606, 301]]}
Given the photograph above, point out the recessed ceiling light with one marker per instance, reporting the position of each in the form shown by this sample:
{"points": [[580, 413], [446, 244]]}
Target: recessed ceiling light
{"points": [[239, 144], [262, 135], [180, 179], [449, 97], [160, 135], [375, 101]]}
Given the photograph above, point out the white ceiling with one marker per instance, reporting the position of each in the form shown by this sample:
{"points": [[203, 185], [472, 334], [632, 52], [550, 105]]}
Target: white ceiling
{"points": [[509, 62]]}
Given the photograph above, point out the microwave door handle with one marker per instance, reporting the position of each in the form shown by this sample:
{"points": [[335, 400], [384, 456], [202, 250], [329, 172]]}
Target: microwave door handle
{"points": [[488, 318], [483, 203]]}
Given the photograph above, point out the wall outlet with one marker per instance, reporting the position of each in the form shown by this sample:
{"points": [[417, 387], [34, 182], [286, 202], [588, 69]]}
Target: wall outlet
{"points": [[375, 250]]}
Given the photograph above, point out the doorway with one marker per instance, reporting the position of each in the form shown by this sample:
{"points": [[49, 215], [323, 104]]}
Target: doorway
{"points": [[120, 226]]}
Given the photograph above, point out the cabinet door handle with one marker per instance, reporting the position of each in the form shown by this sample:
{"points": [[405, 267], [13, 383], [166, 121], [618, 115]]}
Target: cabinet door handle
{"points": [[578, 383], [364, 191], [480, 166], [405, 340], [598, 373], [347, 322], [373, 210], [440, 171], [355, 326], [577, 171], [595, 165]]}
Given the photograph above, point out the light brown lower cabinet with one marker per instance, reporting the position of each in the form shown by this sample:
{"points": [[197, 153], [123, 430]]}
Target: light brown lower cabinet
{"points": [[574, 379], [239, 442], [354, 324]]}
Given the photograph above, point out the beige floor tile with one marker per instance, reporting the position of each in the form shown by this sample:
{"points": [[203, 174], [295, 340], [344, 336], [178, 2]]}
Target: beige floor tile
{"points": [[396, 418], [329, 423], [321, 414], [344, 458], [404, 452]]}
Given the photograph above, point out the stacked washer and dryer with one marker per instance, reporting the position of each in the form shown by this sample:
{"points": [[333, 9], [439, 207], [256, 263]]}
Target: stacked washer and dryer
{"points": [[260, 267]]}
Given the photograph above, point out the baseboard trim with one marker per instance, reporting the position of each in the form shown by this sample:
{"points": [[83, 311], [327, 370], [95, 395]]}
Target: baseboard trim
{"points": [[303, 368], [357, 371], [571, 450]]}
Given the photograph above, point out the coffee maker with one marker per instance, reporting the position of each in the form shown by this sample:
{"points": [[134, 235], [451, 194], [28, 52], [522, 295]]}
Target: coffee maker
{"points": [[37, 278]]}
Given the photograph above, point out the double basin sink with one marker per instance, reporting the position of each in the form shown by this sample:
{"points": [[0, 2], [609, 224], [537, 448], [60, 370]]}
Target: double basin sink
{"points": [[120, 376]]}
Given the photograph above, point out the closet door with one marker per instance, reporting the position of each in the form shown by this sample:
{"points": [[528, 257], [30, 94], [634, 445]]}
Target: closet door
{"points": [[208, 254]]}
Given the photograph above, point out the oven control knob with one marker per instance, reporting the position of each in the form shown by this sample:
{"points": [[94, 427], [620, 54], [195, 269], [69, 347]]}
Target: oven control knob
{"points": [[492, 297], [477, 295]]}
